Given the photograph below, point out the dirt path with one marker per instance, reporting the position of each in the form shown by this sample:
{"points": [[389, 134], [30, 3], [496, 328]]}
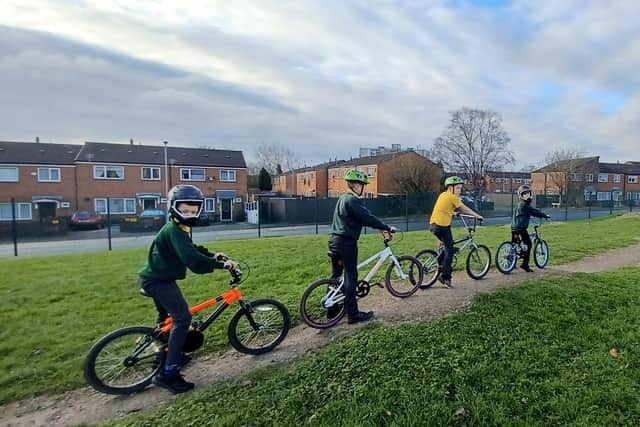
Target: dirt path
{"points": [[85, 406]]}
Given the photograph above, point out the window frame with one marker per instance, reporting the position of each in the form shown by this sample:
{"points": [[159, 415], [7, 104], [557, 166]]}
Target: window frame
{"points": [[617, 178], [576, 177], [16, 169], [124, 199], [18, 216], [106, 169], [151, 168], [630, 181], [605, 175], [190, 178], [235, 176], [589, 177], [48, 169], [213, 202]]}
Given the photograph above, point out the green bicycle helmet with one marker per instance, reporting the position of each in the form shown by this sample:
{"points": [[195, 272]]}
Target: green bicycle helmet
{"points": [[453, 180], [357, 176]]}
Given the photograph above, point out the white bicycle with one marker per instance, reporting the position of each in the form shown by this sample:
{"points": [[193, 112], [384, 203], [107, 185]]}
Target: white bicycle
{"points": [[403, 279]]}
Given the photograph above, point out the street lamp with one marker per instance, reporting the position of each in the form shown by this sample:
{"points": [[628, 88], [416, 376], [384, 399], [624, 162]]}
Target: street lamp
{"points": [[166, 173]]}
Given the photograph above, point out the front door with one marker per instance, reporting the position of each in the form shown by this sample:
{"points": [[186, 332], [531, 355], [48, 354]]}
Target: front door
{"points": [[47, 209], [225, 210]]}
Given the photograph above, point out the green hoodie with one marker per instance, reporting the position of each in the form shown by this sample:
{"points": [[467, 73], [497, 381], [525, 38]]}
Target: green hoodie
{"points": [[172, 251], [350, 215], [523, 212]]}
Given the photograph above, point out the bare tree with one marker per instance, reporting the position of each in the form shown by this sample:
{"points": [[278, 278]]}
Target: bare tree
{"points": [[274, 157], [416, 176], [562, 163], [473, 144]]}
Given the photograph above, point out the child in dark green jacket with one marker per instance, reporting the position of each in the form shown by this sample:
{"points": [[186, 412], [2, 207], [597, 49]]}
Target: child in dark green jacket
{"points": [[170, 254], [520, 223]]}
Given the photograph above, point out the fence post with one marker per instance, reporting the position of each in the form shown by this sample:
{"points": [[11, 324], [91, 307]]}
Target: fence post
{"points": [[109, 221], [611, 203], [259, 215], [566, 206], [14, 227], [315, 212], [589, 207], [406, 210]]}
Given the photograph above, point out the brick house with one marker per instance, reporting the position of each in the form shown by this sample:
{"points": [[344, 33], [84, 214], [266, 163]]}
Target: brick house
{"points": [[589, 179], [41, 177], [506, 182], [383, 172], [284, 183], [65, 178], [313, 181]]}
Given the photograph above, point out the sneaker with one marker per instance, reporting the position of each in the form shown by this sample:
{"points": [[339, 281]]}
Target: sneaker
{"points": [[334, 311], [362, 316], [445, 282], [174, 382], [526, 268]]}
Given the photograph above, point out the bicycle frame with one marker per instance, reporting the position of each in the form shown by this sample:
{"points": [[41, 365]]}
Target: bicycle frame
{"points": [[468, 238], [336, 296]]}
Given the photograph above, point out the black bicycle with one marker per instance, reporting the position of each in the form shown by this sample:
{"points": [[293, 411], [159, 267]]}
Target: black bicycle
{"points": [[508, 252], [125, 360], [478, 259]]}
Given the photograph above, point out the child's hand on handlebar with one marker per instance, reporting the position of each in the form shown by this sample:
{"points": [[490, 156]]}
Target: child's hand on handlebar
{"points": [[392, 229], [230, 264], [219, 256]]}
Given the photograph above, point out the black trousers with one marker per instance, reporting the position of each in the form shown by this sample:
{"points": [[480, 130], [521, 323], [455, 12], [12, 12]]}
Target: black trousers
{"points": [[446, 258], [346, 260], [526, 239], [169, 300]]}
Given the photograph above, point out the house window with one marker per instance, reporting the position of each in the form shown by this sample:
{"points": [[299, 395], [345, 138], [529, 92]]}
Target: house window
{"points": [[617, 178], [604, 195], [116, 206], [632, 179], [23, 211], [371, 171], [150, 174], [108, 172], [228, 176], [589, 177], [575, 177], [209, 205], [48, 174], [8, 174], [192, 174], [603, 177]]}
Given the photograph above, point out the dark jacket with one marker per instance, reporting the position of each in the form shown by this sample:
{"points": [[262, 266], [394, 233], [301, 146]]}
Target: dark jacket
{"points": [[172, 252], [350, 215], [523, 213]]}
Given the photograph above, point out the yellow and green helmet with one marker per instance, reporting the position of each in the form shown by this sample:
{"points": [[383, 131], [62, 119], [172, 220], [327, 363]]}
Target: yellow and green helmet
{"points": [[357, 176]]}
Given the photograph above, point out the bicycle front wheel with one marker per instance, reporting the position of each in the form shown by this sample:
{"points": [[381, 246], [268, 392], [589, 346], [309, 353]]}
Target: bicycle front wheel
{"points": [[430, 267], [405, 278], [506, 258], [541, 253], [478, 262], [259, 326], [124, 361], [319, 307]]}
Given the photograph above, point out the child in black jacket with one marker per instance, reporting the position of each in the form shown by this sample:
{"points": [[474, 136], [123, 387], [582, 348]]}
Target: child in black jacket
{"points": [[520, 223]]}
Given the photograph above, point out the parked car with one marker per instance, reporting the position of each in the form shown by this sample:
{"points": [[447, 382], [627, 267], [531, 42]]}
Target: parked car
{"points": [[85, 219], [203, 219]]}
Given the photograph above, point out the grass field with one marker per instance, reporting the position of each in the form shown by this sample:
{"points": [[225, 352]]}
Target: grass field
{"points": [[554, 351], [54, 308]]}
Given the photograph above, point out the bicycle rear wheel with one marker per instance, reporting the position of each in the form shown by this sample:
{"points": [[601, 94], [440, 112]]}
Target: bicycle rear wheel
{"points": [[404, 279], [316, 309], [478, 262], [124, 361], [259, 326], [430, 267], [541, 253], [506, 257]]}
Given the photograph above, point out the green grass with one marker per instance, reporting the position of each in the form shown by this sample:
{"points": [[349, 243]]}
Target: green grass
{"points": [[533, 355], [54, 308]]}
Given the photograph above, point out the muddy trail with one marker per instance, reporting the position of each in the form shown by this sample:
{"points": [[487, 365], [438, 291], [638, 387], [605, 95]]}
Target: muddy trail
{"points": [[86, 406]]}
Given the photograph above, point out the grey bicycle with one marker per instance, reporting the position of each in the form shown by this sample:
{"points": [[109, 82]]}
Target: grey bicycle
{"points": [[508, 252]]}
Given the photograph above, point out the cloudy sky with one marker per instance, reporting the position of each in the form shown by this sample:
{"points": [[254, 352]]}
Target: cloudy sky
{"points": [[322, 77]]}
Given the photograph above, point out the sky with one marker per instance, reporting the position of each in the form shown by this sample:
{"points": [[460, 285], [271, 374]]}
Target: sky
{"points": [[322, 78]]}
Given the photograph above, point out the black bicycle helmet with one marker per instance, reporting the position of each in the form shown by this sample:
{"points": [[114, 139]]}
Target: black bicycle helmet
{"points": [[185, 194], [523, 189]]}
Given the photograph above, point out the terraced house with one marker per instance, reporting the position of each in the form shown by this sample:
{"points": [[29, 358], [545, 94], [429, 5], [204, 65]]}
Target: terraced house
{"points": [[57, 179]]}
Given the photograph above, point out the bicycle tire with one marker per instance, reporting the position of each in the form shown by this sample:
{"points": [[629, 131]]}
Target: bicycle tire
{"points": [[124, 360], [411, 283], [506, 258], [475, 254], [541, 253], [312, 305], [428, 259], [269, 315]]}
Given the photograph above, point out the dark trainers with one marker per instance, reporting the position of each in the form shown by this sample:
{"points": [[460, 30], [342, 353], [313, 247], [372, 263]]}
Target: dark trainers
{"points": [[362, 316], [526, 268], [445, 282], [184, 359], [334, 311], [175, 383]]}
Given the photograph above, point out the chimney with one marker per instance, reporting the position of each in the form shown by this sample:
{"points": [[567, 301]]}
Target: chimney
{"points": [[37, 139]]}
